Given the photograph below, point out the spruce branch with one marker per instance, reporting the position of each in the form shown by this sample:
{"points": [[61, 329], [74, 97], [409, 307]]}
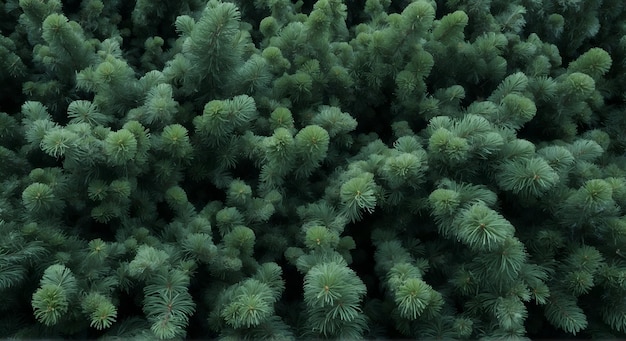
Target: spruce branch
{"points": [[100, 310], [57, 289], [482, 228], [563, 312], [358, 194], [333, 293], [168, 304]]}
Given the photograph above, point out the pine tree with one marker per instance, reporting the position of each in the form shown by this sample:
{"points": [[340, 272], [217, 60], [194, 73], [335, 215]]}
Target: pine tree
{"points": [[328, 169]]}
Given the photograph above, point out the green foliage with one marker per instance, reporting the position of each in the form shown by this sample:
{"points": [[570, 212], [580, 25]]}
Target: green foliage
{"points": [[447, 146], [38, 197], [333, 293], [240, 238], [227, 218], [120, 147], [334, 121], [199, 246], [57, 289], [311, 144], [69, 50], [250, 306], [221, 118], [168, 304], [444, 202], [527, 176], [147, 260], [239, 193], [358, 194], [100, 309], [412, 297], [82, 111], [320, 237], [272, 169], [450, 28], [405, 169], [563, 312], [578, 85], [595, 63], [50, 303], [212, 44], [280, 150], [482, 228], [57, 142], [160, 107]]}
